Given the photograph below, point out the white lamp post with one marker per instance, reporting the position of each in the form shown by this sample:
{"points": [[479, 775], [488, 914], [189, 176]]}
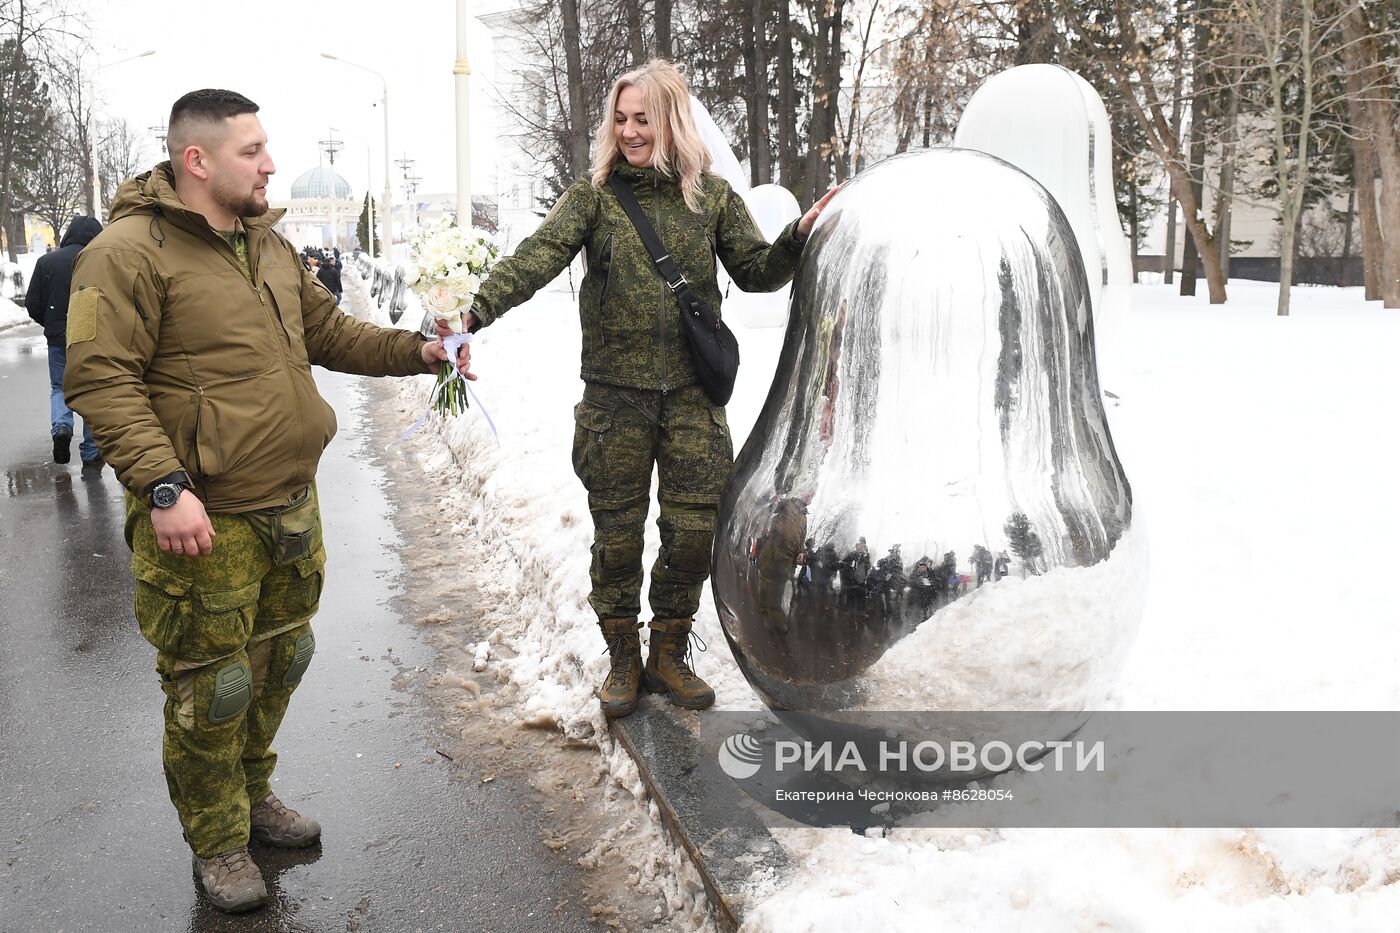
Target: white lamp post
{"points": [[461, 81], [387, 210], [96, 204]]}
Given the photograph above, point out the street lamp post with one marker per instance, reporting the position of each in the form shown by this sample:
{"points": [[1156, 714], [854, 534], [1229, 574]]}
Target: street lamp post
{"points": [[386, 211], [96, 204], [462, 82]]}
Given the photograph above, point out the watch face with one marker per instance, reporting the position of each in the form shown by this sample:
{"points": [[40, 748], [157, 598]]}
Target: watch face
{"points": [[163, 497]]}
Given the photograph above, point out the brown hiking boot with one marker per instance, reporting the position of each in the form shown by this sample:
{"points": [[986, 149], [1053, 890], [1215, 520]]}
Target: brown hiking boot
{"points": [[231, 881], [618, 696], [273, 823], [668, 667]]}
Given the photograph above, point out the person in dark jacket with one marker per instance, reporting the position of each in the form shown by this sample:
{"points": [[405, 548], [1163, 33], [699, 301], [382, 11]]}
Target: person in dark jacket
{"points": [[47, 304], [329, 275]]}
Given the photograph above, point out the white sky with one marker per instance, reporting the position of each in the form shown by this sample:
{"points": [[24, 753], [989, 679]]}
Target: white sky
{"points": [[271, 53]]}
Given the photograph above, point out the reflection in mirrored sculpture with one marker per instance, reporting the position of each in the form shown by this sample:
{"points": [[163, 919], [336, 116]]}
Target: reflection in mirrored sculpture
{"points": [[929, 512]]}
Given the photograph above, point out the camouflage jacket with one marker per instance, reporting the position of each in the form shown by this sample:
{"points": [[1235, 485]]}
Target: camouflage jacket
{"points": [[631, 324]]}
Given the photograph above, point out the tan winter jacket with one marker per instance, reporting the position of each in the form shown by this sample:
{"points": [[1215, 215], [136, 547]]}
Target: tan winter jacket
{"points": [[178, 361]]}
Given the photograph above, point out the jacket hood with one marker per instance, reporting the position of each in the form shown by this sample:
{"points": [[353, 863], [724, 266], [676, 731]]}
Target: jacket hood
{"points": [[81, 231], [153, 192]]}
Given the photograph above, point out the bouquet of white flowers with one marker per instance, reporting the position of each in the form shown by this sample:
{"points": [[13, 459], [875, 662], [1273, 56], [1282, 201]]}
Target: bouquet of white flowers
{"points": [[447, 265]]}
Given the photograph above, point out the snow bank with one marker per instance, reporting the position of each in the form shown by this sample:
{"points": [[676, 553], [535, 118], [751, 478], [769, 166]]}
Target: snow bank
{"points": [[1260, 451]]}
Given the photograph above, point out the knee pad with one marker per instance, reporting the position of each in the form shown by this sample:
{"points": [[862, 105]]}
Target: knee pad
{"points": [[233, 691], [301, 659]]}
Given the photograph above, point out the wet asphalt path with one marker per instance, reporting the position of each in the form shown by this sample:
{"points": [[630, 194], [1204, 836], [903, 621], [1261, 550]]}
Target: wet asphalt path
{"points": [[88, 838]]}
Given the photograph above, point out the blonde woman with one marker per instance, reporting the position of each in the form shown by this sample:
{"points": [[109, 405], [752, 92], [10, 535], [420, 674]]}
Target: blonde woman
{"points": [[642, 405]]}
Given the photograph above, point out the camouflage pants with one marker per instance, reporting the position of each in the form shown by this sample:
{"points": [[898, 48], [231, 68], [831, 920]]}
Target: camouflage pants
{"points": [[233, 636], [619, 435]]}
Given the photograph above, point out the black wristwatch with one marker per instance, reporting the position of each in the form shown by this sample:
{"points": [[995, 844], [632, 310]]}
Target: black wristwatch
{"points": [[165, 492]]}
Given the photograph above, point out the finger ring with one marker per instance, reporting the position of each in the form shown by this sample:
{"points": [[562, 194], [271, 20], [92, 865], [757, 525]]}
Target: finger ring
{"points": [[176, 547]]}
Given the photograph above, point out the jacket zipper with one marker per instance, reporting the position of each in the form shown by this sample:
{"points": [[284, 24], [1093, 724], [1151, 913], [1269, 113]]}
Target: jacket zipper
{"points": [[603, 299], [661, 313], [198, 458]]}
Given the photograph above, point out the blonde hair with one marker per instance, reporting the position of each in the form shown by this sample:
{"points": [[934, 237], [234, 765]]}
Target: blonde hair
{"points": [[677, 150]]}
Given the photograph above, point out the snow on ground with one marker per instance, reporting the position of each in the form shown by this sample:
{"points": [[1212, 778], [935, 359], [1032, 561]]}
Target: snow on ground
{"points": [[11, 314], [1260, 452]]}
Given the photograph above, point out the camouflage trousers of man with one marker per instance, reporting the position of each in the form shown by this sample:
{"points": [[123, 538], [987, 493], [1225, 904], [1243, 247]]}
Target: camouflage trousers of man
{"points": [[233, 637], [619, 436]]}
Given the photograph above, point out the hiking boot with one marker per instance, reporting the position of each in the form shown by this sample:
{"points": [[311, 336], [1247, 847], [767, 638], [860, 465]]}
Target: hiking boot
{"points": [[273, 823], [668, 668], [231, 881], [62, 449], [618, 697]]}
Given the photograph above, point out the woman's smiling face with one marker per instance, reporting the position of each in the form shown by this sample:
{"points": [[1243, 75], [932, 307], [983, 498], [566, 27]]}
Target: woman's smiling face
{"points": [[631, 129]]}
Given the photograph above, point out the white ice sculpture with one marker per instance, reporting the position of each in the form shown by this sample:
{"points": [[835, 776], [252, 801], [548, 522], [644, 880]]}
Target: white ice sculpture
{"points": [[1051, 123]]}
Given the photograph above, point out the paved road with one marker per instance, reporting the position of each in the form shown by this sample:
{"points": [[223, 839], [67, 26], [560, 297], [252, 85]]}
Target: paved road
{"points": [[412, 841]]}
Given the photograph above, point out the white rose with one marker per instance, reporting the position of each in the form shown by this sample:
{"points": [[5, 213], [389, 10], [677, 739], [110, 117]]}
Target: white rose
{"points": [[442, 302], [410, 277]]}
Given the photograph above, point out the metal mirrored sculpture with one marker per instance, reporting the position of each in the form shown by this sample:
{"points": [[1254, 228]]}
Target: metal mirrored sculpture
{"points": [[929, 512]]}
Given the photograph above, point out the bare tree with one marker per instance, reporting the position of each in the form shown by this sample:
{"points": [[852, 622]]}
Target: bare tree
{"points": [[122, 153], [55, 187], [1372, 103], [828, 20], [1134, 62], [578, 108], [1280, 34]]}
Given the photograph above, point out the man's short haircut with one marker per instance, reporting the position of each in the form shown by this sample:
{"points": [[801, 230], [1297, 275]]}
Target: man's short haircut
{"points": [[206, 107]]}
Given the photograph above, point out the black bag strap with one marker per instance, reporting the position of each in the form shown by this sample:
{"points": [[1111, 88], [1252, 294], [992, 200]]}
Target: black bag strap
{"points": [[675, 281]]}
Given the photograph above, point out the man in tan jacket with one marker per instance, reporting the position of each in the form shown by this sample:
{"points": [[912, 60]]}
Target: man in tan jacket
{"points": [[192, 331]]}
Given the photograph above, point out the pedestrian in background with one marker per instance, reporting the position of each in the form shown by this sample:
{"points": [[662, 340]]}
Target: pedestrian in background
{"points": [[47, 303]]}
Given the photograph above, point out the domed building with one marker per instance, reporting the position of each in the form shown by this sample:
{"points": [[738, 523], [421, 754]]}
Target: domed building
{"points": [[322, 210]]}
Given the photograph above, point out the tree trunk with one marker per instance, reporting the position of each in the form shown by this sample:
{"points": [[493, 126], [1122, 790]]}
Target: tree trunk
{"points": [[1133, 226], [633, 10], [763, 150], [1148, 112], [578, 109], [747, 46], [825, 87], [1200, 90], [663, 29], [1372, 247], [1224, 205], [787, 102], [1372, 114], [1178, 77], [756, 100], [1292, 182], [1341, 276]]}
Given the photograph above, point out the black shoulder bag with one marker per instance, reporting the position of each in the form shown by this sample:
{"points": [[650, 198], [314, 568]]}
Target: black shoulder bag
{"points": [[713, 348]]}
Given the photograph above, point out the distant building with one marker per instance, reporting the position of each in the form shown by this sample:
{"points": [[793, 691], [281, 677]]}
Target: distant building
{"points": [[322, 210]]}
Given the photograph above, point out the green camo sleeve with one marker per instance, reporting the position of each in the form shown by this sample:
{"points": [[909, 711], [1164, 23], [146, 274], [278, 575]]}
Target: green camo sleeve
{"points": [[540, 256], [753, 263]]}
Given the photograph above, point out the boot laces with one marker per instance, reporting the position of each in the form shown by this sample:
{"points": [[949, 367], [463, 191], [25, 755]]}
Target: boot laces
{"points": [[235, 861], [618, 645], [682, 653]]}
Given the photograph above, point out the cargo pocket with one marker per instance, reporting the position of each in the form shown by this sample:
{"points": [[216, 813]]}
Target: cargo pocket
{"points": [[591, 426], [304, 591], [162, 604], [221, 623]]}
